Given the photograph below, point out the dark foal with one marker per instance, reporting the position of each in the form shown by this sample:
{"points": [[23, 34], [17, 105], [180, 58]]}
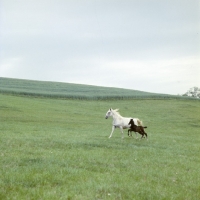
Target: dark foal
{"points": [[138, 129]]}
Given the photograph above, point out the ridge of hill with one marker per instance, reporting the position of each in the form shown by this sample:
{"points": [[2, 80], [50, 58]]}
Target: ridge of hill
{"points": [[71, 90]]}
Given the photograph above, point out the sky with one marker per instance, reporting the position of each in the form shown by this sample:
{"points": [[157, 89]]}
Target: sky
{"points": [[147, 45]]}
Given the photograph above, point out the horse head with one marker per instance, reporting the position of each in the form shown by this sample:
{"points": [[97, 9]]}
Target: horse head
{"points": [[109, 113]]}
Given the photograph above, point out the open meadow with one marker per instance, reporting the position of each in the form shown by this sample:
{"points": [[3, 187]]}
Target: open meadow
{"points": [[59, 149]]}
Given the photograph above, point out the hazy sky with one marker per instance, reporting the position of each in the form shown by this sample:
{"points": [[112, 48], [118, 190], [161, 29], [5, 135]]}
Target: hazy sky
{"points": [[148, 45]]}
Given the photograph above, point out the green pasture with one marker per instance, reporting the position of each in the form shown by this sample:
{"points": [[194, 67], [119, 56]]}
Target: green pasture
{"points": [[59, 149]]}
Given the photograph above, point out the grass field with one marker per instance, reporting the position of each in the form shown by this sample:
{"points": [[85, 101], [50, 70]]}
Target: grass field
{"points": [[59, 149]]}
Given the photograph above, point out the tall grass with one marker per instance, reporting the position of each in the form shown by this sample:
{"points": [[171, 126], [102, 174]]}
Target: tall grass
{"points": [[73, 91], [59, 149]]}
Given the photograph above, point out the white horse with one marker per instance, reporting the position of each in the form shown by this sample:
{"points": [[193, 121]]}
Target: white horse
{"points": [[120, 122]]}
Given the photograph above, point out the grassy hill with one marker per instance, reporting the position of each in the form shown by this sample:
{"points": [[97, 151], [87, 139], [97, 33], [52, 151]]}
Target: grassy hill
{"points": [[69, 90]]}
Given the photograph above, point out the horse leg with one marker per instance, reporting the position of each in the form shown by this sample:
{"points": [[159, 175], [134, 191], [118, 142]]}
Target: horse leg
{"points": [[136, 135], [129, 132], [122, 132], [113, 128]]}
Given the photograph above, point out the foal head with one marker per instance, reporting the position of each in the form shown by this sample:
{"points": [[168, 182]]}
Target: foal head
{"points": [[131, 122]]}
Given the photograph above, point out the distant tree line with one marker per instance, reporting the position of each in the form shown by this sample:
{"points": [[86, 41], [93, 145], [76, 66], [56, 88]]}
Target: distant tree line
{"points": [[193, 92]]}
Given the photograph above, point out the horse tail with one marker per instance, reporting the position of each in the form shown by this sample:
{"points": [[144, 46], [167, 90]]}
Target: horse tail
{"points": [[139, 122], [144, 126]]}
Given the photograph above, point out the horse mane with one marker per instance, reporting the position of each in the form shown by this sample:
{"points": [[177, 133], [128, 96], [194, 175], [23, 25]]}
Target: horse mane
{"points": [[116, 111]]}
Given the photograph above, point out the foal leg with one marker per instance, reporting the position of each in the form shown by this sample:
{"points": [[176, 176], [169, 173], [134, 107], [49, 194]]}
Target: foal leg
{"points": [[142, 137], [129, 132], [143, 133], [113, 128], [146, 135]]}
